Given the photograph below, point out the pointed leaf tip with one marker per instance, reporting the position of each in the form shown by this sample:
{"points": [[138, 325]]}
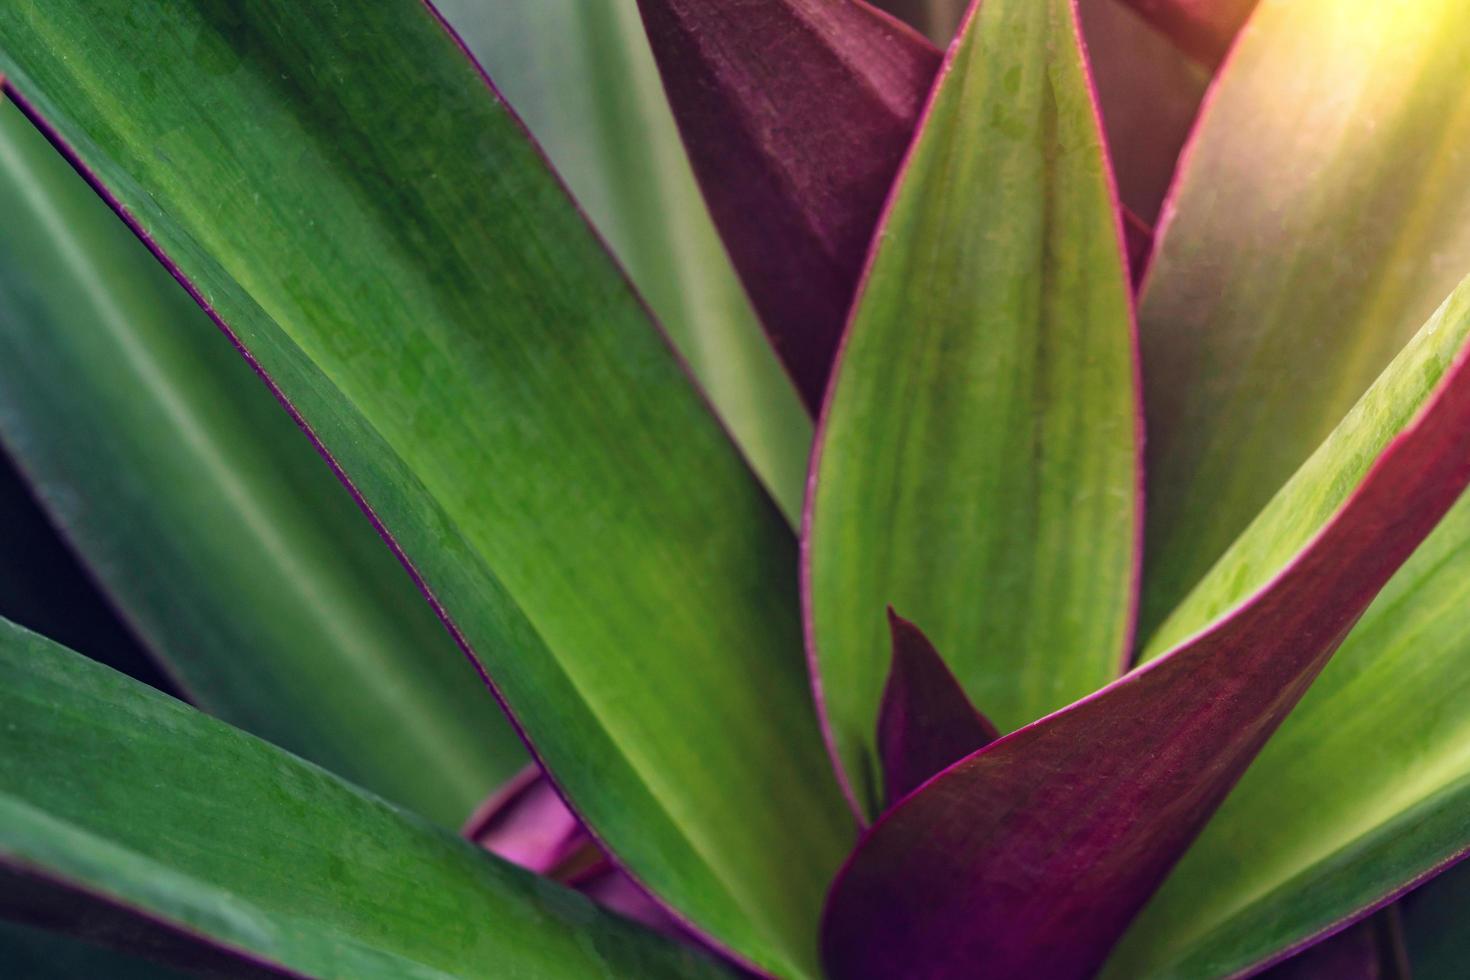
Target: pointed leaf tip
{"points": [[1029, 857], [926, 723], [796, 115]]}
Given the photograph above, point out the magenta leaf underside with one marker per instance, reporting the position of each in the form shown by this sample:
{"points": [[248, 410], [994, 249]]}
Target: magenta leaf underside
{"points": [[1029, 857], [926, 722], [526, 822], [796, 115]]}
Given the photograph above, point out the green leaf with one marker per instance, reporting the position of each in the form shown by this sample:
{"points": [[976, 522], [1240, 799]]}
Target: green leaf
{"points": [[1321, 214], [1363, 790], [345, 194], [1129, 775], [110, 791], [977, 458], [580, 74], [208, 518]]}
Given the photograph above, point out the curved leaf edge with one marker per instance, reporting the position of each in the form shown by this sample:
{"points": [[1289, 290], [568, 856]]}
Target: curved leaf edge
{"points": [[1338, 926], [1456, 375], [1120, 219], [32, 112]]}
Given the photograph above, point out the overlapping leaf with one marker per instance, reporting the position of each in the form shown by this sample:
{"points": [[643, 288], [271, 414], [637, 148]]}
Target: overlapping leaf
{"points": [[343, 192], [1369, 950], [1148, 92], [1359, 796], [925, 722], [580, 74], [796, 114], [209, 519], [977, 459], [1322, 213], [1031, 856], [129, 816], [1204, 28]]}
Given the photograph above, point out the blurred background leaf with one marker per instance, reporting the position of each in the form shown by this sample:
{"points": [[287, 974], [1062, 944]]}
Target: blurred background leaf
{"points": [[203, 511], [579, 73]]}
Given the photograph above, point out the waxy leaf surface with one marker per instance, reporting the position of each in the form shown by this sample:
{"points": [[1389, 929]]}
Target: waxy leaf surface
{"points": [[114, 796], [1031, 856], [796, 114], [1321, 214], [209, 519], [977, 459], [342, 190], [581, 76]]}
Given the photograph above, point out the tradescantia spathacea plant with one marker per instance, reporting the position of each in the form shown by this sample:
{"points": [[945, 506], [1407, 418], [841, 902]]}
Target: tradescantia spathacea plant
{"points": [[998, 515]]}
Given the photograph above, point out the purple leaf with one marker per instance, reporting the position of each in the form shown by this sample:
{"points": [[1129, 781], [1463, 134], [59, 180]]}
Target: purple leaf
{"points": [[1204, 29], [926, 723], [609, 886], [1030, 857], [1138, 239], [527, 823], [796, 114]]}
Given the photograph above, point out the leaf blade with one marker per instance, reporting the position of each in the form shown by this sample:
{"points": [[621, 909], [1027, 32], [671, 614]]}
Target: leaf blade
{"points": [[579, 72], [1077, 818], [207, 517], [262, 852], [1289, 273], [575, 435], [796, 114], [989, 346]]}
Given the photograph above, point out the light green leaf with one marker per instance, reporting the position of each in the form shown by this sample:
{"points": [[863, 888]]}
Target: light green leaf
{"points": [[209, 519], [978, 465], [580, 74], [1320, 216], [342, 189], [117, 792], [1364, 788]]}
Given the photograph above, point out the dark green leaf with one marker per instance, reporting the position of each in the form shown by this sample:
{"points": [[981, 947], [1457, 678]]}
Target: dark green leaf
{"points": [[111, 792], [209, 519], [346, 195]]}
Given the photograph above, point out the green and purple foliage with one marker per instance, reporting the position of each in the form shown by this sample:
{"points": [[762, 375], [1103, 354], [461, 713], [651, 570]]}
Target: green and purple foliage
{"points": [[697, 488]]}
